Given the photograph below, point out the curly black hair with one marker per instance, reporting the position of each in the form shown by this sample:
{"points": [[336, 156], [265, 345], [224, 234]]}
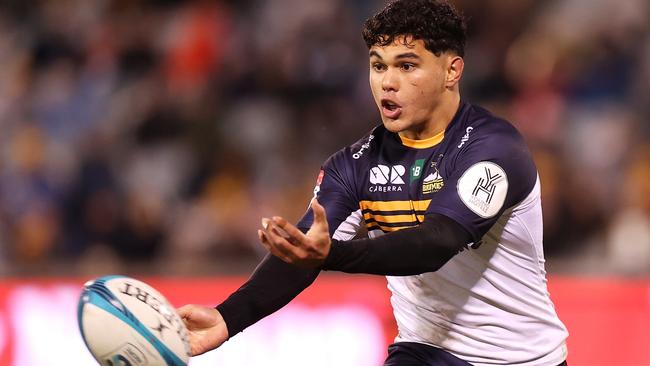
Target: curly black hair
{"points": [[436, 22]]}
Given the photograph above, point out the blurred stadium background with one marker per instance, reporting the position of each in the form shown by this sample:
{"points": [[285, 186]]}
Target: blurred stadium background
{"points": [[148, 138]]}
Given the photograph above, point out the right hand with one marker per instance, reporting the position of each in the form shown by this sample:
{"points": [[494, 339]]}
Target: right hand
{"points": [[306, 250], [206, 328]]}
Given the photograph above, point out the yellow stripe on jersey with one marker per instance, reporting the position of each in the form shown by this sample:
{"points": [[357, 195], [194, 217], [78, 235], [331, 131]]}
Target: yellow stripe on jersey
{"points": [[374, 225], [394, 218], [386, 206], [423, 144], [388, 212]]}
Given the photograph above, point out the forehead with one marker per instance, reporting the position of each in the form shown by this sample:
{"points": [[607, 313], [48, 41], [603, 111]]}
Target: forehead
{"points": [[400, 45]]}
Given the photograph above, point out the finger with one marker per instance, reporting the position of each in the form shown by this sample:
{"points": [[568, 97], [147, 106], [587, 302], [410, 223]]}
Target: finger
{"points": [[185, 311], [265, 242], [271, 248], [281, 244], [276, 229], [278, 242], [320, 216], [195, 348], [295, 236]]}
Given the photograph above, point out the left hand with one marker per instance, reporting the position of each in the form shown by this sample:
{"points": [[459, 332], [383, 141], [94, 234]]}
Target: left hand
{"points": [[288, 243], [206, 328]]}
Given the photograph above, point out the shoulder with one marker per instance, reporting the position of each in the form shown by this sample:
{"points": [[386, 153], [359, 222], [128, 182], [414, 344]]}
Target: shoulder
{"points": [[492, 147], [356, 154], [491, 136]]}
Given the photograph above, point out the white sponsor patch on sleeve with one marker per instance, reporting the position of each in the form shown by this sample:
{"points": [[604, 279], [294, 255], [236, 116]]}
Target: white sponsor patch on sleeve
{"points": [[483, 188]]}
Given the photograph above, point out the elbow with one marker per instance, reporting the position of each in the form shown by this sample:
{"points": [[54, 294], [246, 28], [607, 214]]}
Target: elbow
{"points": [[436, 256], [429, 260], [439, 261]]}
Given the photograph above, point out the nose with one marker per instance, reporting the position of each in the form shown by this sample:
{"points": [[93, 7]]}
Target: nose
{"points": [[389, 81]]}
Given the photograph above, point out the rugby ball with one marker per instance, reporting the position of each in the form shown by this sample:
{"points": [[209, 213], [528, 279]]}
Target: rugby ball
{"points": [[125, 322]]}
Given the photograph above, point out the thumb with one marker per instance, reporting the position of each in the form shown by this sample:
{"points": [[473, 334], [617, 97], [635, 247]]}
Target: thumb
{"points": [[319, 212], [185, 311]]}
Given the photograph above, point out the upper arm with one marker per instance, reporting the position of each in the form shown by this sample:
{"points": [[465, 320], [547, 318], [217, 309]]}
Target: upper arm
{"points": [[493, 173], [335, 191]]}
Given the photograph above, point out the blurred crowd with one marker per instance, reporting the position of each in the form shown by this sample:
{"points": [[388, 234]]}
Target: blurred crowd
{"points": [[154, 135]]}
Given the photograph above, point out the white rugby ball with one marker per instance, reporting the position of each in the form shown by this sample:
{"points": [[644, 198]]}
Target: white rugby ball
{"points": [[125, 322]]}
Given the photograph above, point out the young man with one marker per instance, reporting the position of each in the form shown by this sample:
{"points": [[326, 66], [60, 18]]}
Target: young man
{"points": [[451, 200]]}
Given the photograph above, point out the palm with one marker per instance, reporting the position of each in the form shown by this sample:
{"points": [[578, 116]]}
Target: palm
{"points": [[289, 244], [201, 341], [206, 328], [319, 233], [319, 228]]}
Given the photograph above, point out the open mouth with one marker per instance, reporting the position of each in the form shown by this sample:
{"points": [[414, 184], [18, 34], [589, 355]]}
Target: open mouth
{"points": [[390, 109], [389, 105]]}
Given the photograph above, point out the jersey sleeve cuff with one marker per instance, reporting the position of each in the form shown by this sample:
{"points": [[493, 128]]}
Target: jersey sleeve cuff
{"points": [[476, 236], [333, 256]]}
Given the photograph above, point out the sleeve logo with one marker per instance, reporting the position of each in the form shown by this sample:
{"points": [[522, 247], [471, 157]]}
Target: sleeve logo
{"points": [[483, 188], [357, 155], [465, 137], [319, 180]]}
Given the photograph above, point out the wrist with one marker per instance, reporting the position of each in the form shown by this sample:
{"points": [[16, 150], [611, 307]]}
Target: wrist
{"points": [[332, 256], [222, 309]]}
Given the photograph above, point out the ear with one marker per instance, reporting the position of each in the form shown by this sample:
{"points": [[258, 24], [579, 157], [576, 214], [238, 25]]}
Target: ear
{"points": [[455, 68]]}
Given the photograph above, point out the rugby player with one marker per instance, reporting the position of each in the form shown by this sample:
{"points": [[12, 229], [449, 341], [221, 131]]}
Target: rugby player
{"points": [[450, 198]]}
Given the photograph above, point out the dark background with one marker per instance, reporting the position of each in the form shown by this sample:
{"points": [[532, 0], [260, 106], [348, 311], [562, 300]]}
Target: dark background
{"points": [[151, 136]]}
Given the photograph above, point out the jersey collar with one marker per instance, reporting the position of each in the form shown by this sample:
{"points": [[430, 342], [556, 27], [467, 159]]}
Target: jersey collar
{"points": [[435, 140], [423, 144]]}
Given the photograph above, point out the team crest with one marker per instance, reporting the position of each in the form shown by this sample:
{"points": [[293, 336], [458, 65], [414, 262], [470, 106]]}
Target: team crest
{"points": [[432, 183]]}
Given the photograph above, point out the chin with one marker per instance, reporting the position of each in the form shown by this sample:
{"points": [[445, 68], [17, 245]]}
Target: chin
{"points": [[395, 125]]}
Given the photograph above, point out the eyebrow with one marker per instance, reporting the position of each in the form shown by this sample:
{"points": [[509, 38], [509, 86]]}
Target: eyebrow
{"points": [[398, 57], [407, 55], [374, 53]]}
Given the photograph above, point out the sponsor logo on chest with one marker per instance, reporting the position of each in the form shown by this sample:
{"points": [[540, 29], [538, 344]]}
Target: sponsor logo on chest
{"points": [[384, 178], [416, 170]]}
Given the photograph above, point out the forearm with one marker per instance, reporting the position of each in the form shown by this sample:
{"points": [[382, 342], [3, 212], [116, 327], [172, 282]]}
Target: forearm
{"points": [[273, 285], [411, 251]]}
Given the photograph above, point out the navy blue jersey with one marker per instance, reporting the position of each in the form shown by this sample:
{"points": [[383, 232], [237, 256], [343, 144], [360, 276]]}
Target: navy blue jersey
{"points": [[488, 305], [395, 181]]}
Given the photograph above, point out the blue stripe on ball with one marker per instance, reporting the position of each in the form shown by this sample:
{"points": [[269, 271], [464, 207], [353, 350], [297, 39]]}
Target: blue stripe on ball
{"points": [[99, 295]]}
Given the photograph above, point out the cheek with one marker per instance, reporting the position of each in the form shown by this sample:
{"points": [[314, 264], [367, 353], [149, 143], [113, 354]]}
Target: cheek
{"points": [[424, 82], [375, 85], [420, 89], [430, 84]]}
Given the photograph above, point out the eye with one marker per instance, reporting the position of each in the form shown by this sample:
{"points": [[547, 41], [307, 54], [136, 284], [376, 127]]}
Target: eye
{"points": [[407, 66], [378, 66]]}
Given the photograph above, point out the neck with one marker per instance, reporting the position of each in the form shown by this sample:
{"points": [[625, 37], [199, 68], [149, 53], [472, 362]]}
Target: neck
{"points": [[440, 119]]}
